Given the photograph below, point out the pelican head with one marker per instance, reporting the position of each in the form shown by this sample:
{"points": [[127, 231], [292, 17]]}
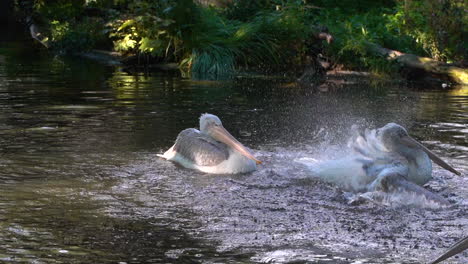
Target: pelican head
{"points": [[391, 136], [396, 139], [208, 121], [211, 125]]}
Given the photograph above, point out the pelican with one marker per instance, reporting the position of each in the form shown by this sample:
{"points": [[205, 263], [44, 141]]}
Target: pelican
{"points": [[383, 159], [211, 150]]}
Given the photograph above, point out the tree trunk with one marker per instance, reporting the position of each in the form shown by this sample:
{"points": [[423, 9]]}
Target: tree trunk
{"points": [[428, 65]]}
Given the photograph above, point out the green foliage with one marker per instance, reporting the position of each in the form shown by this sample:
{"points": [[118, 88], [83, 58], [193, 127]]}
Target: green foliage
{"points": [[353, 7], [438, 26], [213, 61], [203, 40], [81, 36], [275, 34], [244, 10], [353, 34], [59, 10], [427, 28], [152, 27], [134, 34], [67, 29]]}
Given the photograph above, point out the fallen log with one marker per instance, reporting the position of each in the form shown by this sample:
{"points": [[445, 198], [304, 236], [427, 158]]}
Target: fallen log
{"points": [[428, 65], [105, 57]]}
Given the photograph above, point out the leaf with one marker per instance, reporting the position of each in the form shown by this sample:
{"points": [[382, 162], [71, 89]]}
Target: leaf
{"points": [[126, 24]]}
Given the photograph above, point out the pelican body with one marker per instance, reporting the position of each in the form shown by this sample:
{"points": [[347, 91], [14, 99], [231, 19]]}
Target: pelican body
{"points": [[212, 149], [382, 159]]}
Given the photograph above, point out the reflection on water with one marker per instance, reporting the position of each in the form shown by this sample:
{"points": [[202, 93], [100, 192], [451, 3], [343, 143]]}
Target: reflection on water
{"points": [[80, 181]]}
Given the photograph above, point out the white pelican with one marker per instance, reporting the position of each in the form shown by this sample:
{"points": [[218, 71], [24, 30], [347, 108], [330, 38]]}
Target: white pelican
{"points": [[381, 160], [212, 149]]}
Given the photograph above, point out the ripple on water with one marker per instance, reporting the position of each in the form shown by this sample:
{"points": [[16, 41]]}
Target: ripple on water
{"points": [[80, 182]]}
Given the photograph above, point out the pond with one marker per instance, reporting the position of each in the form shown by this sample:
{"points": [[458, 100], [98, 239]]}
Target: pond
{"points": [[80, 181]]}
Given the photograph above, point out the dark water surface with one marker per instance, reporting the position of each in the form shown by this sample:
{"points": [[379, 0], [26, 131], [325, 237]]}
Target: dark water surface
{"points": [[80, 181]]}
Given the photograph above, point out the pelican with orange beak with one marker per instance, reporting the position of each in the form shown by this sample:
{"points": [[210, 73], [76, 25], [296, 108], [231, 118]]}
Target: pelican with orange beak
{"points": [[385, 159], [211, 150]]}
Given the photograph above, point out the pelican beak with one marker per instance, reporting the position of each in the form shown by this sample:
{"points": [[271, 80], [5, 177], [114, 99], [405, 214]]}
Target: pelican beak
{"points": [[224, 136], [460, 246], [409, 141]]}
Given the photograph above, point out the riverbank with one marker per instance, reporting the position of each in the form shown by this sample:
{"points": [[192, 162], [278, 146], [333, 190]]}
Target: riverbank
{"points": [[208, 39]]}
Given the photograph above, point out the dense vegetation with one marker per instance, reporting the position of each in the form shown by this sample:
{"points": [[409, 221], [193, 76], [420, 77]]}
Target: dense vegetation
{"points": [[217, 37]]}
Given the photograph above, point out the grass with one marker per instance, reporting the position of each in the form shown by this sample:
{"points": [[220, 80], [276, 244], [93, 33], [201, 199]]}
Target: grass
{"points": [[270, 34]]}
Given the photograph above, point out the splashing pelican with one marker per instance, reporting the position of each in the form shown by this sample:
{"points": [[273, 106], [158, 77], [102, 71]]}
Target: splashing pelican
{"points": [[212, 149], [385, 159]]}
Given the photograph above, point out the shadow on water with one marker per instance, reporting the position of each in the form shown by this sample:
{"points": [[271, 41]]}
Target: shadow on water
{"points": [[81, 182]]}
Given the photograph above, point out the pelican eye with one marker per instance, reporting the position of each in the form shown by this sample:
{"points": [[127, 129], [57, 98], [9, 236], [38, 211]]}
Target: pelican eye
{"points": [[401, 133]]}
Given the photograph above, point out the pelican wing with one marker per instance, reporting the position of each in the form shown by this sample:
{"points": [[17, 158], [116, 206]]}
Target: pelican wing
{"points": [[393, 182], [368, 145], [199, 148], [358, 169], [373, 155]]}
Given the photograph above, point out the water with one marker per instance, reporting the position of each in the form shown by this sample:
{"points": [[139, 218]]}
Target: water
{"points": [[80, 181]]}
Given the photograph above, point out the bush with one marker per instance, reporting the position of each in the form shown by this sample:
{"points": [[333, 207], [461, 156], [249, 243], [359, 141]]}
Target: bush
{"points": [[81, 36], [67, 29], [206, 41], [353, 34], [438, 26], [271, 34]]}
